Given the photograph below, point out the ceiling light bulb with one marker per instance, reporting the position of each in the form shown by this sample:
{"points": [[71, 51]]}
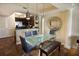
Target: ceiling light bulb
{"points": [[28, 18]]}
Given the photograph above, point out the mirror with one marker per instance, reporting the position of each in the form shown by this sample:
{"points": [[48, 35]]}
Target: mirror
{"points": [[55, 23]]}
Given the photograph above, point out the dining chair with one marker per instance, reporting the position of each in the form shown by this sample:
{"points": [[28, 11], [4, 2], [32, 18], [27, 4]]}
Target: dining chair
{"points": [[27, 48], [34, 32]]}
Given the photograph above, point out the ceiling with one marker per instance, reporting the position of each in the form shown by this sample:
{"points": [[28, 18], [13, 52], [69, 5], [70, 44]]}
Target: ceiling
{"points": [[9, 8]]}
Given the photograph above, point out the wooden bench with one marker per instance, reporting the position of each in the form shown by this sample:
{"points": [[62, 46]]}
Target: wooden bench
{"points": [[48, 47]]}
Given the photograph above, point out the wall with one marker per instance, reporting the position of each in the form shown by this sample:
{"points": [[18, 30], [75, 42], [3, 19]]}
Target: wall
{"points": [[70, 27], [75, 22], [62, 33], [73, 30], [7, 26]]}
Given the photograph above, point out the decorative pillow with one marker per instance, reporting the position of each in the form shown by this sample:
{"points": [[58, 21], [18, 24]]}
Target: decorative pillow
{"points": [[34, 32], [52, 32], [27, 34]]}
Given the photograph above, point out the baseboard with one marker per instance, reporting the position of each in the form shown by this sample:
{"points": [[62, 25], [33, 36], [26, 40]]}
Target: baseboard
{"points": [[68, 47], [8, 37]]}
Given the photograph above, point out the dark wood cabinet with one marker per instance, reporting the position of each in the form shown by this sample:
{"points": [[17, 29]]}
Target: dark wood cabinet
{"points": [[26, 23]]}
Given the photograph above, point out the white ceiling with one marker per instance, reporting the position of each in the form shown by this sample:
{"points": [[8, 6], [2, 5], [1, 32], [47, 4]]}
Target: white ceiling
{"points": [[8, 9]]}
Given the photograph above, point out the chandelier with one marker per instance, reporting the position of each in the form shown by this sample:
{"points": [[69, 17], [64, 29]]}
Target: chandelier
{"points": [[28, 15]]}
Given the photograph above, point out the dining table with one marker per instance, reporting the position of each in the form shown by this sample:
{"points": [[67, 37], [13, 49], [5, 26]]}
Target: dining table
{"points": [[37, 40]]}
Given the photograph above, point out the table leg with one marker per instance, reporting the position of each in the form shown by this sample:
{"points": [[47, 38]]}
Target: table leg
{"points": [[40, 52], [59, 50]]}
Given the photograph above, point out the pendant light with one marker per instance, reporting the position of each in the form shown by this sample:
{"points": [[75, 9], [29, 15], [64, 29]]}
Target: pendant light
{"points": [[28, 14], [36, 17]]}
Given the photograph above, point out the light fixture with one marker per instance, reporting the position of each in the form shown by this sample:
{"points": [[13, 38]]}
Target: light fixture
{"points": [[36, 17], [28, 15]]}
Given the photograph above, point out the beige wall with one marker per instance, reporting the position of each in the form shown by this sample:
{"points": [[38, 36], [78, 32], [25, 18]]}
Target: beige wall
{"points": [[2, 22], [74, 29], [70, 27], [7, 26], [62, 33], [75, 22]]}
